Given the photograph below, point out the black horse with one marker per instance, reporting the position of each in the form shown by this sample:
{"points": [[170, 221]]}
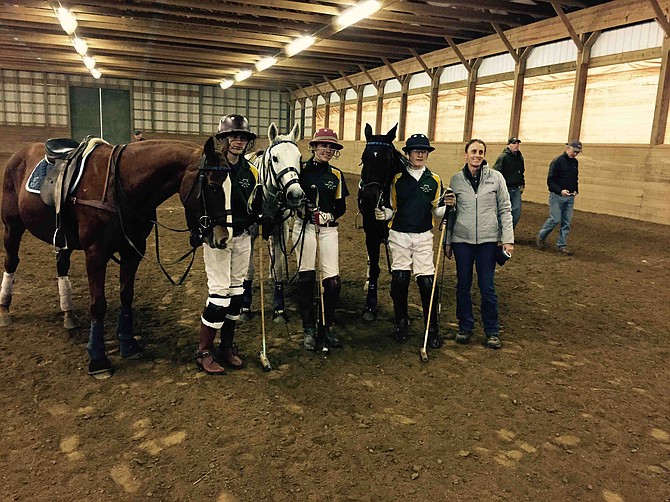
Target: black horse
{"points": [[381, 162]]}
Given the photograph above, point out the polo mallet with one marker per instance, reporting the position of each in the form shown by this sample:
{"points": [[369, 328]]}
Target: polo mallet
{"points": [[422, 351], [265, 362], [317, 263]]}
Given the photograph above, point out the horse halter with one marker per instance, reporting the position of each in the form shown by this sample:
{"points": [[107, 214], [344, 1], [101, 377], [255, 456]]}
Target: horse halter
{"points": [[370, 184], [279, 184]]}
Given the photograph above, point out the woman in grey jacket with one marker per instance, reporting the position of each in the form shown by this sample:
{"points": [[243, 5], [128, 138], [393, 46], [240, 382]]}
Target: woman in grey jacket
{"points": [[482, 219]]}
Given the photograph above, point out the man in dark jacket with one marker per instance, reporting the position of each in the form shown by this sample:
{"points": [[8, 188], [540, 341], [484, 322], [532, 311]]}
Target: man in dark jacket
{"points": [[563, 184], [511, 166]]}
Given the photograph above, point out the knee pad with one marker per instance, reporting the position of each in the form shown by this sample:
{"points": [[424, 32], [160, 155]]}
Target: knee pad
{"points": [[400, 279], [235, 307], [215, 311], [425, 283], [332, 284]]}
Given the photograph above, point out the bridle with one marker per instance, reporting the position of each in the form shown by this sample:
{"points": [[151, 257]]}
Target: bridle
{"points": [[279, 188], [370, 184]]}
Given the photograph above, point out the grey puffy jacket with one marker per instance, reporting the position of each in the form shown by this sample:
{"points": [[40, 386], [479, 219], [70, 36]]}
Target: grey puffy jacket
{"points": [[484, 216]]}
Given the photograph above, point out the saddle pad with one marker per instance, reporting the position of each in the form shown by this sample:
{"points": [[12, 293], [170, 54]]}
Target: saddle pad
{"points": [[39, 174], [37, 177]]}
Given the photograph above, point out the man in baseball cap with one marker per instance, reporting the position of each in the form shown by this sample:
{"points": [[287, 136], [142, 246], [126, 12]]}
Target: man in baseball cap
{"points": [[511, 165]]}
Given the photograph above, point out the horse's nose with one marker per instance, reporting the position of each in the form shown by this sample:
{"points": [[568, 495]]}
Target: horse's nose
{"points": [[294, 197]]}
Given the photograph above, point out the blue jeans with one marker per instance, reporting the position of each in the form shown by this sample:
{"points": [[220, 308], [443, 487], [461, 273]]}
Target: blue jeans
{"points": [[560, 211], [483, 257], [515, 199]]}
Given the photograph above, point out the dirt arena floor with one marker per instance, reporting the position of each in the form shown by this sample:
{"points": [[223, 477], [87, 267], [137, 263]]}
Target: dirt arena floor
{"points": [[574, 407]]}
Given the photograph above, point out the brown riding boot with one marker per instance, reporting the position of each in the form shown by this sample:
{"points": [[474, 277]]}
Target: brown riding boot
{"points": [[204, 357], [228, 352]]}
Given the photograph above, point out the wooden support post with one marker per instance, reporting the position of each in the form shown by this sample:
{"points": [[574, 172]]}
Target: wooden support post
{"points": [[658, 128], [470, 99], [359, 112], [517, 91], [340, 125], [579, 92], [432, 109], [402, 122]]}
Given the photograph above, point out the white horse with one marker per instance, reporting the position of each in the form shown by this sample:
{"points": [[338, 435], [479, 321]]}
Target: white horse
{"points": [[278, 169]]}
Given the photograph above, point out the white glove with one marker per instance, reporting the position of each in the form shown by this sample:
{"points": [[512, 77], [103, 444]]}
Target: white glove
{"points": [[449, 197], [383, 213], [323, 218]]}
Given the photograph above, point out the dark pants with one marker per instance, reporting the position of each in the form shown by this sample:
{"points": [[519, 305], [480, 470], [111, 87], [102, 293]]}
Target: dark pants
{"points": [[483, 257]]}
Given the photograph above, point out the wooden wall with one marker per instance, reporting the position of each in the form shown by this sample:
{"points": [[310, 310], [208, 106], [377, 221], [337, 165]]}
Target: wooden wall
{"points": [[630, 181]]}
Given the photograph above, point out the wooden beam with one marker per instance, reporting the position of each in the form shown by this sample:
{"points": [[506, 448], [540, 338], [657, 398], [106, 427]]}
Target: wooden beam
{"points": [[374, 83], [402, 122], [330, 83], [517, 97], [390, 67], [303, 91], [568, 25], [340, 125], [502, 36], [458, 52], [432, 109], [658, 128], [348, 80], [316, 87], [420, 60], [661, 17], [379, 110], [578, 93], [359, 113]]}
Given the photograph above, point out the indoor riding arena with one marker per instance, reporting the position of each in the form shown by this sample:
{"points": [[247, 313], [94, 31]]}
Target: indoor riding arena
{"points": [[574, 406]]}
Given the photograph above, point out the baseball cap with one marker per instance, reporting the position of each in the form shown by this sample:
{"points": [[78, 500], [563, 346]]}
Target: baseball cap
{"points": [[576, 145], [513, 140]]}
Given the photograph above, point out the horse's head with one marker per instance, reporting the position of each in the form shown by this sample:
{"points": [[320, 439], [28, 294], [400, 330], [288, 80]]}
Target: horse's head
{"points": [[208, 201], [281, 167], [381, 161]]}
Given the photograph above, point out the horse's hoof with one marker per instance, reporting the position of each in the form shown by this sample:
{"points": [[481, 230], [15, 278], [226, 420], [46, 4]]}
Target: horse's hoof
{"points": [[5, 320], [280, 316], [71, 323], [369, 314], [129, 348], [100, 369]]}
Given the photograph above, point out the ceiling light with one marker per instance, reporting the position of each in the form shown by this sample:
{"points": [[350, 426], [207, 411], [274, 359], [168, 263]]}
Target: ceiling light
{"points": [[242, 75], [356, 13], [298, 45], [89, 62], [79, 46], [265, 63], [67, 20], [226, 83], [96, 73]]}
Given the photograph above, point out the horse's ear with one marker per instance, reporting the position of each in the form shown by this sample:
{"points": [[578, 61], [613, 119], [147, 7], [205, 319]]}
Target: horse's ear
{"points": [[210, 148], [295, 132], [272, 132], [368, 131], [390, 136]]}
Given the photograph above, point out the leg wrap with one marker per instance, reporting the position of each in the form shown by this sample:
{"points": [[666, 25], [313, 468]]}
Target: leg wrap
{"points": [[425, 283], [278, 298], [215, 311], [331, 295], [399, 290], [96, 342], [7, 289], [124, 330], [65, 293], [306, 282]]}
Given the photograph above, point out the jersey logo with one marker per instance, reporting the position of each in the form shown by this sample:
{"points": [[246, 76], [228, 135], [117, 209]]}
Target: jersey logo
{"points": [[245, 183], [426, 188], [330, 185]]}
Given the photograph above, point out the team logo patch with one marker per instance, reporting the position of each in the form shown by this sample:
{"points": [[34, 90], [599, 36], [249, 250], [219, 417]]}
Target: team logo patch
{"points": [[245, 183], [330, 185], [426, 188]]}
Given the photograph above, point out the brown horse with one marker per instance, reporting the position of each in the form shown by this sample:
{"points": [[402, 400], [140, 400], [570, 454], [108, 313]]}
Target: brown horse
{"points": [[111, 211]]}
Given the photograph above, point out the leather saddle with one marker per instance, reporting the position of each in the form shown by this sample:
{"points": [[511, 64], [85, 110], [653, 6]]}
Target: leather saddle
{"points": [[65, 154]]}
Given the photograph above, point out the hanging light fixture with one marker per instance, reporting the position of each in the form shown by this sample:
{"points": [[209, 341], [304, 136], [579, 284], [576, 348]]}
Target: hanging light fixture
{"points": [[357, 13], [96, 73], [79, 46], [299, 45], [89, 62], [67, 20], [242, 75], [265, 63], [226, 83]]}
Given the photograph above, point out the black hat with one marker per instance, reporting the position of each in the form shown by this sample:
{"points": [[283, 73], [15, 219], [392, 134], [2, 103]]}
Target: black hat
{"points": [[417, 142], [137, 131], [513, 140], [234, 123], [576, 145]]}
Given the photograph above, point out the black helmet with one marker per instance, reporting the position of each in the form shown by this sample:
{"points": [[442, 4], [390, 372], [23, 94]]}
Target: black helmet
{"points": [[234, 123], [417, 142]]}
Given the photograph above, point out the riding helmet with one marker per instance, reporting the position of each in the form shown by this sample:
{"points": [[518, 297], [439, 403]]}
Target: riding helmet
{"points": [[234, 123], [417, 142], [325, 135]]}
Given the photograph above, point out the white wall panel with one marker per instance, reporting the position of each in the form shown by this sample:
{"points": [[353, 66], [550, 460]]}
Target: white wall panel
{"points": [[392, 86], [627, 39], [419, 80], [334, 97], [563, 51], [453, 73], [369, 90], [495, 65]]}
